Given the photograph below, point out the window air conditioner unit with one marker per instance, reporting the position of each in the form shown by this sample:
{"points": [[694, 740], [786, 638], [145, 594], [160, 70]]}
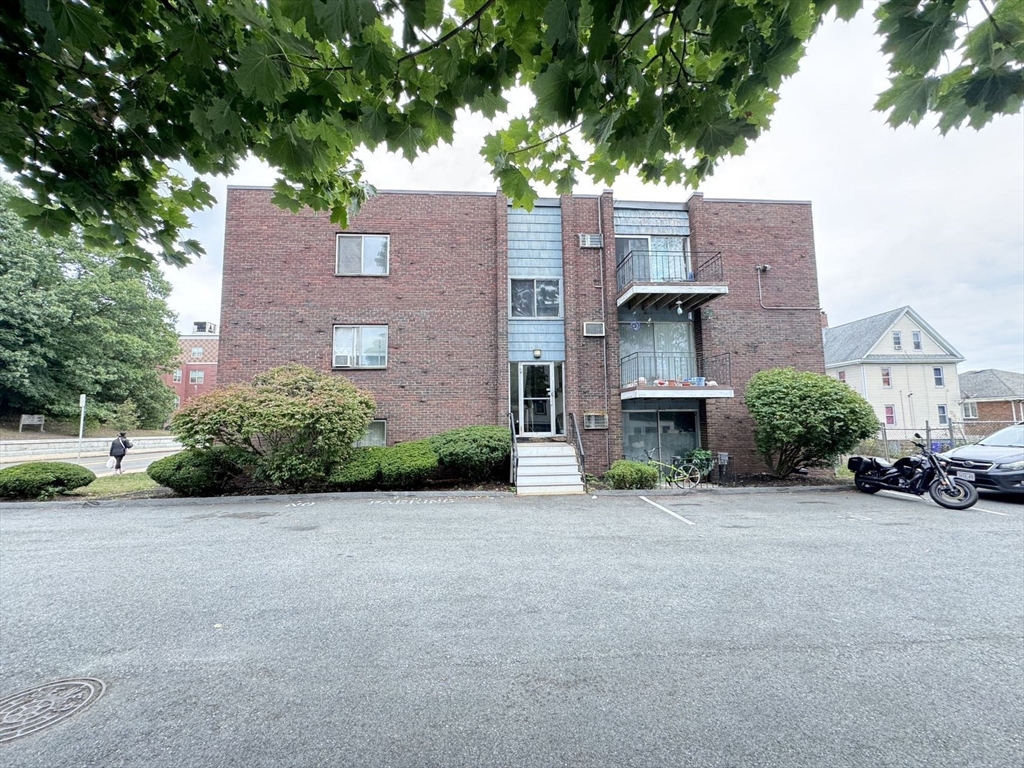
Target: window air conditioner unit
{"points": [[591, 241], [344, 361], [595, 421], [593, 329]]}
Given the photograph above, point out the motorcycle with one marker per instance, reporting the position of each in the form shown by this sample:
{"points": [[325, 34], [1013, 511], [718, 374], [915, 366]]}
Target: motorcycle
{"points": [[913, 474]]}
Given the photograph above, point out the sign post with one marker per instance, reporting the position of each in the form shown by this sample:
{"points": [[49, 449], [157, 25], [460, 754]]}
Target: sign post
{"points": [[81, 424]]}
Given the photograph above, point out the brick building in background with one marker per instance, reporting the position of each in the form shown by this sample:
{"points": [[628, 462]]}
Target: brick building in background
{"points": [[195, 371], [639, 322]]}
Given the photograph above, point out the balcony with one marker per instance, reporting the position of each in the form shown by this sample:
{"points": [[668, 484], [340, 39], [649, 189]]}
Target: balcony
{"points": [[648, 374], [660, 279]]}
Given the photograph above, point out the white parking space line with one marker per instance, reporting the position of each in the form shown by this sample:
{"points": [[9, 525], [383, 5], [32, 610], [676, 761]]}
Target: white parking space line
{"points": [[665, 509], [992, 512]]}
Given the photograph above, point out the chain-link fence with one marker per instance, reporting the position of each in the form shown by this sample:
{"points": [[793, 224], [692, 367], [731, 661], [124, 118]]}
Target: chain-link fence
{"points": [[894, 442]]}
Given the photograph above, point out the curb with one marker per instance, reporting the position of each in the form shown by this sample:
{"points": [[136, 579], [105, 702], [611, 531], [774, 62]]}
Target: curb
{"points": [[207, 501]]}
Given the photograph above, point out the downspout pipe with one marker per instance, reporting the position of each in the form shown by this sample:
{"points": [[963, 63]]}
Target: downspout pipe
{"points": [[761, 268]]}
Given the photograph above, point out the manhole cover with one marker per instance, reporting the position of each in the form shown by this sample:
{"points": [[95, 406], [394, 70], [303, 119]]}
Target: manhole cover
{"points": [[37, 708]]}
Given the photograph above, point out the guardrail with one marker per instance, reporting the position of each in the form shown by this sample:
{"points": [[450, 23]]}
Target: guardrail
{"points": [[581, 463], [514, 458], [668, 267]]}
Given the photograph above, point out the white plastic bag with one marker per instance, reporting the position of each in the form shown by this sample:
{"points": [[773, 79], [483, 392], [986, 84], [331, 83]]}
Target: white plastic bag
{"points": [[111, 462]]}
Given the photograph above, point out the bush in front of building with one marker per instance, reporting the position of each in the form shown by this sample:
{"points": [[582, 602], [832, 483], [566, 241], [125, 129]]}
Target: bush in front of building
{"points": [[42, 479], [296, 424], [626, 475], [474, 453], [408, 466], [360, 472], [804, 419], [200, 472]]}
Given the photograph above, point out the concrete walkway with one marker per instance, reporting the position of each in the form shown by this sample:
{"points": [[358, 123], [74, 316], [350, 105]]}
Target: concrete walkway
{"points": [[19, 451]]}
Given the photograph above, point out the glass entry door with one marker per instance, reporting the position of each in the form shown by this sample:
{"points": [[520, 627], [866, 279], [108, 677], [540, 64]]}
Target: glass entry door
{"points": [[537, 399]]}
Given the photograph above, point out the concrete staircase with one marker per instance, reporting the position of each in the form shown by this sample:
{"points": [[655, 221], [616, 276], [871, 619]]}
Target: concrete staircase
{"points": [[548, 468]]}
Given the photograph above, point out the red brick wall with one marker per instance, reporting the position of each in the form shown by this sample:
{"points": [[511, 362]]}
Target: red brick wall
{"points": [[996, 411], [591, 363], [186, 364], [749, 234], [440, 302]]}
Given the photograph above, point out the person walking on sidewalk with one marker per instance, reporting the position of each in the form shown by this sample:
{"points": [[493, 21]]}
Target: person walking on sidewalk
{"points": [[118, 449]]}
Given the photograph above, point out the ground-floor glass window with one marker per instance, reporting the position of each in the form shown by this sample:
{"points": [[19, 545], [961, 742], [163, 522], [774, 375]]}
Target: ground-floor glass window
{"points": [[667, 433]]}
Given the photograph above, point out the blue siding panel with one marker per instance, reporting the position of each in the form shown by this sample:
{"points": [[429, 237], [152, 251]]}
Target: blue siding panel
{"points": [[535, 250], [631, 221]]}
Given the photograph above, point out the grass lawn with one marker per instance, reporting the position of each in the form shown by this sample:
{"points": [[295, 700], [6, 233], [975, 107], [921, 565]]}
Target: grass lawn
{"points": [[113, 486], [61, 430]]}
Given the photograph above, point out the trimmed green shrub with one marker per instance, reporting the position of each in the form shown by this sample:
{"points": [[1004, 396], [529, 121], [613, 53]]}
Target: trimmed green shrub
{"points": [[42, 479], [804, 419], [407, 465], [474, 453], [297, 424], [199, 472], [361, 472], [628, 475]]}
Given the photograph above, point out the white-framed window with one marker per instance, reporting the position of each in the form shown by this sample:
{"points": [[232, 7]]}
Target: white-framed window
{"points": [[887, 377], [970, 410], [177, 402], [197, 351], [916, 336], [176, 376], [943, 415], [890, 415], [360, 346], [842, 376], [363, 255], [376, 435], [940, 377], [897, 340], [196, 377], [535, 297]]}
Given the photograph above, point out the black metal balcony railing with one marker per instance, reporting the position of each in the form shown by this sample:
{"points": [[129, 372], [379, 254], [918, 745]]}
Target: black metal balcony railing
{"points": [[646, 369], [668, 267]]}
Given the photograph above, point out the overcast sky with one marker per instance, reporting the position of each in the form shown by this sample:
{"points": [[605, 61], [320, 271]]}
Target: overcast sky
{"points": [[904, 217]]}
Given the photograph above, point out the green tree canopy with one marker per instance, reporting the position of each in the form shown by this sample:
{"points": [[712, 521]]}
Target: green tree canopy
{"points": [[74, 321], [106, 105], [804, 419]]}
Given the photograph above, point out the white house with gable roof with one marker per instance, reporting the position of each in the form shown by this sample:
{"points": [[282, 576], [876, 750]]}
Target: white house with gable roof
{"points": [[899, 364]]}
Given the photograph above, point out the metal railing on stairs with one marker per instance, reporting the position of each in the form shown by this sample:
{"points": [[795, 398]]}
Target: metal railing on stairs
{"points": [[574, 435], [514, 460]]}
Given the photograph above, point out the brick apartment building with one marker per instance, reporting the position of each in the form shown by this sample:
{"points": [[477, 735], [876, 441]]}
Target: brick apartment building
{"points": [[195, 371], [639, 322]]}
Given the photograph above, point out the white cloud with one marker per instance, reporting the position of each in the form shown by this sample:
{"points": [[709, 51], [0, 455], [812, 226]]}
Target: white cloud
{"points": [[901, 216]]}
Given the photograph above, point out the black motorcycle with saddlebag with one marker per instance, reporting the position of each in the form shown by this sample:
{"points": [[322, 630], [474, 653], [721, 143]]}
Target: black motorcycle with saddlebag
{"points": [[918, 474]]}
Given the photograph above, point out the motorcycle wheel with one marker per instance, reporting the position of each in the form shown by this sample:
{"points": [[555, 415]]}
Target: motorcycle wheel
{"points": [[962, 496], [864, 487]]}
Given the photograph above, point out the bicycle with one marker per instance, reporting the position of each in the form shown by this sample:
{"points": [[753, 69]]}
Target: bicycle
{"points": [[677, 474]]}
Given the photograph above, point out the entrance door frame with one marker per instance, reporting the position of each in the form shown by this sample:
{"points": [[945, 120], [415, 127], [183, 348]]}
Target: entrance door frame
{"points": [[552, 388]]}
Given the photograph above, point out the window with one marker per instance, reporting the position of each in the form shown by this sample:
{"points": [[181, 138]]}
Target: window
{"points": [[886, 377], [177, 402], [890, 415], [970, 410], [943, 415], [536, 298], [842, 376], [376, 435], [196, 377], [176, 378], [360, 346], [897, 340], [362, 255], [940, 379], [916, 335], [197, 351]]}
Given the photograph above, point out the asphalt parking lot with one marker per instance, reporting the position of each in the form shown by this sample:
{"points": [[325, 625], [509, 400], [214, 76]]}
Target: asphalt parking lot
{"points": [[760, 629]]}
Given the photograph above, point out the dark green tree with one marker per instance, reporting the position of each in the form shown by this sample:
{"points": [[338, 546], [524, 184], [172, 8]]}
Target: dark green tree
{"points": [[106, 105], [804, 419], [74, 322]]}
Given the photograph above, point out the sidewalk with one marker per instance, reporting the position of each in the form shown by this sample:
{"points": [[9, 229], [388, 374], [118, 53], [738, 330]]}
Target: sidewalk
{"points": [[12, 451]]}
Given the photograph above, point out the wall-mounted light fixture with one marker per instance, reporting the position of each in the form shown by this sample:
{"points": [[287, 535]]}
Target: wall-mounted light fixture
{"points": [[536, 354], [679, 307]]}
